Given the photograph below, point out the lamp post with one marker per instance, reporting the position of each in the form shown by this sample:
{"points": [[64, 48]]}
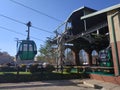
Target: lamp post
{"points": [[16, 56]]}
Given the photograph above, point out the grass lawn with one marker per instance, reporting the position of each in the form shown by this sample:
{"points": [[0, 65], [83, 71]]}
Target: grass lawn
{"points": [[37, 76], [21, 73]]}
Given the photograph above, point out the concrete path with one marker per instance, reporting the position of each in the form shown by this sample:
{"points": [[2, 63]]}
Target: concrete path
{"points": [[101, 84], [60, 85]]}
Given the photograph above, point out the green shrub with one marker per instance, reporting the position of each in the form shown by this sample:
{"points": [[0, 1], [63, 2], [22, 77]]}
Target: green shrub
{"points": [[22, 67], [49, 68], [7, 69], [67, 69], [34, 68]]}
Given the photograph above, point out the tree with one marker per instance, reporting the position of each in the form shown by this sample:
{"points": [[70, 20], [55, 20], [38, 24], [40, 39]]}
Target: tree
{"points": [[5, 58], [69, 57], [47, 53]]}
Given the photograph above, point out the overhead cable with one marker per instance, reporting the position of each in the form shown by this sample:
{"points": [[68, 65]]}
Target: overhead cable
{"points": [[10, 30], [12, 19], [41, 29], [24, 23], [36, 11]]}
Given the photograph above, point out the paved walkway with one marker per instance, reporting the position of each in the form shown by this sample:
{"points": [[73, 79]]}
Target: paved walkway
{"points": [[60, 85], [101, 84]]}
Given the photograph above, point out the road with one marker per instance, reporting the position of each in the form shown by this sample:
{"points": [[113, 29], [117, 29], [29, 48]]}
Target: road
{"points": [[47, 85]]}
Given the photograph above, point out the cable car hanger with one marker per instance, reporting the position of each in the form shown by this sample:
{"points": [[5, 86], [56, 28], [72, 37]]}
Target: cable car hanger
{"points": [[29, 25]]}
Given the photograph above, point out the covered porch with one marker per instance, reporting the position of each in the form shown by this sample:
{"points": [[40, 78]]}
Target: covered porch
{"points": [[99, 31]]}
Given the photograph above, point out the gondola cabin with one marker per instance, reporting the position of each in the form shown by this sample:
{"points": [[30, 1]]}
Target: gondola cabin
{"points": [[27, 50]]}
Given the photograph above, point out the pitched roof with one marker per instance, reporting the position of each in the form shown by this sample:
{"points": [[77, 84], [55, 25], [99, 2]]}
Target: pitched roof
{"points": [[80, 11], [101, 11]]}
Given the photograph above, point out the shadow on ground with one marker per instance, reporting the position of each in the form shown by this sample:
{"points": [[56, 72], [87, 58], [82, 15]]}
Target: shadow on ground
{"points": [[61, 83]]}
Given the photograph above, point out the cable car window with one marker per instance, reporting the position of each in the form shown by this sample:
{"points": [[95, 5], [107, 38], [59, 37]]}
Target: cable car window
{"points": [[35, 49], [30, 47], [24, 47], [20, 48]]}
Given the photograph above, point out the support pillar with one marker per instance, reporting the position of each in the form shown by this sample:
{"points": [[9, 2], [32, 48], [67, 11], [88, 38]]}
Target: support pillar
{"points": [[114, 32], [90, 58], [76, 56], [89, 52]]}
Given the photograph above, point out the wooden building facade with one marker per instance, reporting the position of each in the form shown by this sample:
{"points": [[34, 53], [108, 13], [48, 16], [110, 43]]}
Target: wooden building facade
{"points": [[90, 30]]}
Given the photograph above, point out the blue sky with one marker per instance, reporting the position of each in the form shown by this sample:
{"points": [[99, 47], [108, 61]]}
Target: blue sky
{"points": [[59, 9]]}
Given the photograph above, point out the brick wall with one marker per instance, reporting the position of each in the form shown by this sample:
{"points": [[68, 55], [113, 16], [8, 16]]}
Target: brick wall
{"points": [[111, 79]]}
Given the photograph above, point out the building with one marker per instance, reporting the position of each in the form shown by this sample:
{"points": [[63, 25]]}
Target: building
{"points": [[90, 30]]}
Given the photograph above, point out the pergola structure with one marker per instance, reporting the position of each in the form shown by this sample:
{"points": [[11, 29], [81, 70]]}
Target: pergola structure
{"points": [[90, 30]]}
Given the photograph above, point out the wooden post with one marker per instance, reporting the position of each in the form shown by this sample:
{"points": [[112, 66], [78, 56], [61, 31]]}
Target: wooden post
{"points": [[114, 32]]}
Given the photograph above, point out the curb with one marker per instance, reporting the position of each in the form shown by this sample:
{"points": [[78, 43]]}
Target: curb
{"points": [[102, 85]]}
